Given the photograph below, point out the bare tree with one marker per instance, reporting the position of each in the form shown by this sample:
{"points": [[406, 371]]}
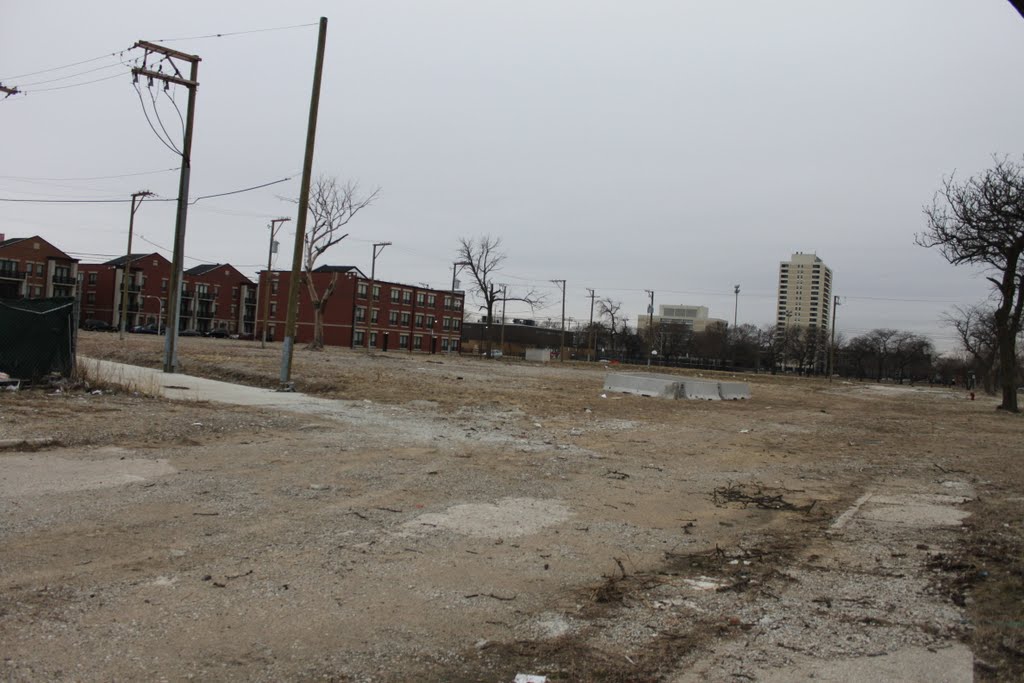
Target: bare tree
{"points": [[331, 207], [482, 257], [975, 327], [981, 222], [609, 309]]}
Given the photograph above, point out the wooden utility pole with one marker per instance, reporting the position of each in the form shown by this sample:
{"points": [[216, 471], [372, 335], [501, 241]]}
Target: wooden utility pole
{"points": [[377, 248], [561, 348], [300, 225], [270, 264], [590, 342], [178, 260], [128, 262]]}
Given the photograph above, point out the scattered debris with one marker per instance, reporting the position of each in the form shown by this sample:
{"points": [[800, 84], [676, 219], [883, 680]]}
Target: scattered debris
{"points": [[754, 494], [615, 474]]}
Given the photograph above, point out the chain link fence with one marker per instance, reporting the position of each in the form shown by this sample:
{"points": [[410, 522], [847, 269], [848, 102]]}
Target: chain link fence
{"points": [[37, 338]]}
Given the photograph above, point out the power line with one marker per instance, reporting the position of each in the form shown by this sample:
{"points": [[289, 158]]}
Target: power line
{"points": [[73, 85], [161, 199], [75, 75], [99, 177], [234, 33], [66, 66]]}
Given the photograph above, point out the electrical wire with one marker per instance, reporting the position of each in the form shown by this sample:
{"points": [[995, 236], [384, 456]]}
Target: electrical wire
{"points": [[158, 199], [165, 143], [156, 111], [73, 85], [64, 78], [66, 66], [98, 177], [234, 33]]}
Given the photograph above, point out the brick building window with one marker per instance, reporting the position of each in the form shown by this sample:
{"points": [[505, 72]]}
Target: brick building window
{"points": [[273, 286], [419, 320], [361, 290], [360, 314], [395, 296], [358, 338], [403, 341], [393, 318], [420, 296], [374, 315], [376, 292], [417, 342], [92, 278], [405, 319], [407, 296], [431, 300]]}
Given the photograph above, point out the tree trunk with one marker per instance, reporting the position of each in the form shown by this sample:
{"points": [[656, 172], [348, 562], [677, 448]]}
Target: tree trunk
{"points": [[319, 304], [1007, 368]]}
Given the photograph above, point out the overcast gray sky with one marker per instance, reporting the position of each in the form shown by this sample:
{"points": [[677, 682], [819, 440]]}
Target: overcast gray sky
{"points": [[682, 147]]}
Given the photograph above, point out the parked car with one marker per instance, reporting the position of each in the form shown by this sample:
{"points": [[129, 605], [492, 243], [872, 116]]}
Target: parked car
{"points": [[145, 329], [190, 333], [219, 333], [98, 326]]}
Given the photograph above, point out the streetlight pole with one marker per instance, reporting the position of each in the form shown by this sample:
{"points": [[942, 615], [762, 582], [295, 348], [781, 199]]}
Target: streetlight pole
{"points": [[650, 326], [456, 267], [270, 264], [142, 194], [832, 343], [160, 311], [377, 248], [736, 306]]}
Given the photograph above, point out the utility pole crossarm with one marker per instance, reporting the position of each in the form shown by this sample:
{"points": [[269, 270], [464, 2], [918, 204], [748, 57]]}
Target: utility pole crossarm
{"points": [[139, 71]]}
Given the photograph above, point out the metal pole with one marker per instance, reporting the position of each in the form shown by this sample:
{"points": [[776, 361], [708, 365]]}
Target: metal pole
{"points": [[590, 344], [270, 258], [832, 343], [650, 326], [300, 226], [504, 297], [736, 306], [128, 261], [377, 248]]}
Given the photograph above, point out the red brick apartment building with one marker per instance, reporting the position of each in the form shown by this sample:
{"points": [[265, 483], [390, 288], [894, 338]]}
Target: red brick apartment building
{"points": [[403, 317], [213, 296], [216, 297], [32, 268], [102, 285]]}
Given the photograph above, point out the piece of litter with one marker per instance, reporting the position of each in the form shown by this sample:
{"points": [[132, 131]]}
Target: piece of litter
{"points": [[197, 424], [536, 424], [744, 431], [530, 678], [604, 395], [94, 392]]}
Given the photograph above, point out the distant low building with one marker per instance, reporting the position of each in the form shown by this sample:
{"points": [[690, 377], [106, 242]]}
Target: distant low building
{"points": [[692, 318], [32, 268]]}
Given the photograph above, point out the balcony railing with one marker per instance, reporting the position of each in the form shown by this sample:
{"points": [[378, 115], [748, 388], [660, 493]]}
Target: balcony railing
{"points": [[64, 280], [12, 274]]}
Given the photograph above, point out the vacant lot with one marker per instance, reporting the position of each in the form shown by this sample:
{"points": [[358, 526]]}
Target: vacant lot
{"points": [[464, 520]]}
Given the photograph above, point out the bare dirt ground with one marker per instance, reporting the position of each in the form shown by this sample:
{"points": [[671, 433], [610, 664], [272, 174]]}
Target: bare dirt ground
{"points": [[466, 520]]}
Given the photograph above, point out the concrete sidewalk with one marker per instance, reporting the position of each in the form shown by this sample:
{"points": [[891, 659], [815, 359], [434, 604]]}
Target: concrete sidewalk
{"points": [[186, 387]]}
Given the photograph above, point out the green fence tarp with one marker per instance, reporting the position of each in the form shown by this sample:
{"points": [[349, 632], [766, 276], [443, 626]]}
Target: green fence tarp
{"points": [[37, 337]]}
